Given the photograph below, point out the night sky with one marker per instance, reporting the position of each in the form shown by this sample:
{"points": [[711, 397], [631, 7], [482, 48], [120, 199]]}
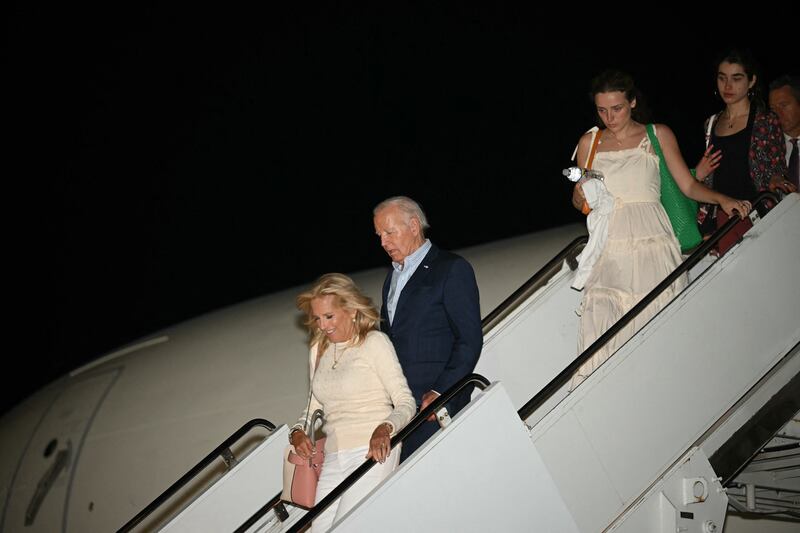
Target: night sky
{"points": [[171, 161]]}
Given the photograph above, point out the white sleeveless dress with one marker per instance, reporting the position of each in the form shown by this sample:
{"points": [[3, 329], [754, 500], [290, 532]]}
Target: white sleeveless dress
{"points": [[640, 252]]}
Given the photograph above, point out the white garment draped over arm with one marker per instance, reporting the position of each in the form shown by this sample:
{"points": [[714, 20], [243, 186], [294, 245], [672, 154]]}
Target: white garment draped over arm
{"points": [[602, 204]]}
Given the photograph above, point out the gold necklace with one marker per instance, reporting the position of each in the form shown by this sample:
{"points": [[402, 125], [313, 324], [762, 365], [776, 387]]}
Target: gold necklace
{"points": [[627, 137], [732, 120], [615, 137], [336, 359]]}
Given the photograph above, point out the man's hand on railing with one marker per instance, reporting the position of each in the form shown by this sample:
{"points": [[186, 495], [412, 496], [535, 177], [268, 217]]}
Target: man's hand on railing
{"points": [[427, 398]]}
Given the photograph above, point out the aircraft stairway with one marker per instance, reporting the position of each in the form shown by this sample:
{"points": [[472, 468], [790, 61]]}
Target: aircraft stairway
{"points": [[769, 484], [629, 449], [636, 446], [771, 406], [247, 482], [759, 461]]}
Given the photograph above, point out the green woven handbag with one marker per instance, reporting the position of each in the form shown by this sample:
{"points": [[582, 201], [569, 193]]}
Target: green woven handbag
{"points": [[681, 210]]}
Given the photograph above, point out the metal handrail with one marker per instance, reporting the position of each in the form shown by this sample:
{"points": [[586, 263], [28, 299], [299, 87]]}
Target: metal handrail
{"points": [[497, 315], [438, 403], [535, 282], [223, 450], [556, 383]]}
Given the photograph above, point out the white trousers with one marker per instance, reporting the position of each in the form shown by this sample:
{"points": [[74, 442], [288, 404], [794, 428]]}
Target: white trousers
{"points": [[338, 466]]}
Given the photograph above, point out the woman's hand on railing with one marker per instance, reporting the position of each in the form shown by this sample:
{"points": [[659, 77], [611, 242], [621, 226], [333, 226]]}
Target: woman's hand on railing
{"points": [[729, 205], [302, 444], [380, 444]]}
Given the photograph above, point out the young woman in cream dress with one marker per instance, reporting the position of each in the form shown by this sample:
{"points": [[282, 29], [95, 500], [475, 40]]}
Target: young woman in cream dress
{"points": [[641, 249]]}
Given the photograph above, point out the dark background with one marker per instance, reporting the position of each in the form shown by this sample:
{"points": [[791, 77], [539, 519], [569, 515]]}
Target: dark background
{"points": [[168, 161]]}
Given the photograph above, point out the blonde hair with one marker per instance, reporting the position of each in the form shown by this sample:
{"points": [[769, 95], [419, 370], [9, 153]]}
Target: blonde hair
{"points": [[347, 296]]}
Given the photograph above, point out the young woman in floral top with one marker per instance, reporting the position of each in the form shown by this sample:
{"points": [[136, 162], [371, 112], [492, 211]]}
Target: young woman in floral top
{"points": [[745, 151]]}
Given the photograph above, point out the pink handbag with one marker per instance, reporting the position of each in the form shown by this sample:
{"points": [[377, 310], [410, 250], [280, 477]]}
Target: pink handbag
{"points": [[300, 476]]}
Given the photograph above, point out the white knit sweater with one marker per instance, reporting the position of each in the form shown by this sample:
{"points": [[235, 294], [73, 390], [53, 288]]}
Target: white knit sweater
{"points": [[366, 389]]}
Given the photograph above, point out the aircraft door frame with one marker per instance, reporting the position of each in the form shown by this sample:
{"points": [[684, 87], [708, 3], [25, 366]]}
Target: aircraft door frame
{"points": [[40, 489]]}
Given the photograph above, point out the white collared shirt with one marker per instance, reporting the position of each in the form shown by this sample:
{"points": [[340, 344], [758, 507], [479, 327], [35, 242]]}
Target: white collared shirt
{"points": [[787, 140], [402, 273]]}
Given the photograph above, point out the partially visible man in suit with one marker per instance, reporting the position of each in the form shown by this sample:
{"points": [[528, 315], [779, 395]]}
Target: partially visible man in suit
{"points": [[784, 101], [430, 310]]}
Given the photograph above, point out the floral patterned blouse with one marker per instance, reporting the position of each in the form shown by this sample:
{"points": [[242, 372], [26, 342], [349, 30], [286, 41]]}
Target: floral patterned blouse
{"points": [[766, 155]]}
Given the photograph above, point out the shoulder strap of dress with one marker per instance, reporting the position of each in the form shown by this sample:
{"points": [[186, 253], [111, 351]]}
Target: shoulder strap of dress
{"points": [[710, 127], [653, 136], [596, 134]]}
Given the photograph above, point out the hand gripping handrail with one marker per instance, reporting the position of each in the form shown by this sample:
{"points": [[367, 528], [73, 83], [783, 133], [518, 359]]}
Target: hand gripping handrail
{"points": [[305, 520], [222, 450], [533, 284], [556, 383]]}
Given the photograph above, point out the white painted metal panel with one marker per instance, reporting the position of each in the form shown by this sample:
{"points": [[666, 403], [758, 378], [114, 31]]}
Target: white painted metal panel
{"points": [[479, 474], [752, 402], [536, 342], [688, 499], [577, 471], [666, 387], [45, 475], [239, 493]]}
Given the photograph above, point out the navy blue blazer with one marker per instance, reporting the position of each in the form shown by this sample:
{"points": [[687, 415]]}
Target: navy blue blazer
{"points": [[436, 330]]}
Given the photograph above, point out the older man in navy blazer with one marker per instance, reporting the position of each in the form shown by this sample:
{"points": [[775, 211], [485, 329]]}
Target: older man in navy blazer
{"points": [[430, 310]]}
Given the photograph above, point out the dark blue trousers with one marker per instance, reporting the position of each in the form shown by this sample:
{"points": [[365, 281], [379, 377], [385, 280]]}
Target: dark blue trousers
{"points": [[417, 438]]}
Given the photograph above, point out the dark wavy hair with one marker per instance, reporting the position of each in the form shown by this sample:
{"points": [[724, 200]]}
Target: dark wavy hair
{"points": [[615, 80], [793, 82], [744, 58]]}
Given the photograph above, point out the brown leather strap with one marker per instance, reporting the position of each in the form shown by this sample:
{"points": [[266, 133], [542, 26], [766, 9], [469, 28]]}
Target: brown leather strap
{"points": [[594, 148]]}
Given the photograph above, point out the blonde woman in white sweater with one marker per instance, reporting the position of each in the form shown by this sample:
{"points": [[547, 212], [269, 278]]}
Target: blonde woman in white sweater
{"points": [[357, 381]]}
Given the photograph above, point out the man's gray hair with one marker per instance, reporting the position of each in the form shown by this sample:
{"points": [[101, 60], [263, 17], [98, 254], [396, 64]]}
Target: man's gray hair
{"points": [[408, 206]]}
